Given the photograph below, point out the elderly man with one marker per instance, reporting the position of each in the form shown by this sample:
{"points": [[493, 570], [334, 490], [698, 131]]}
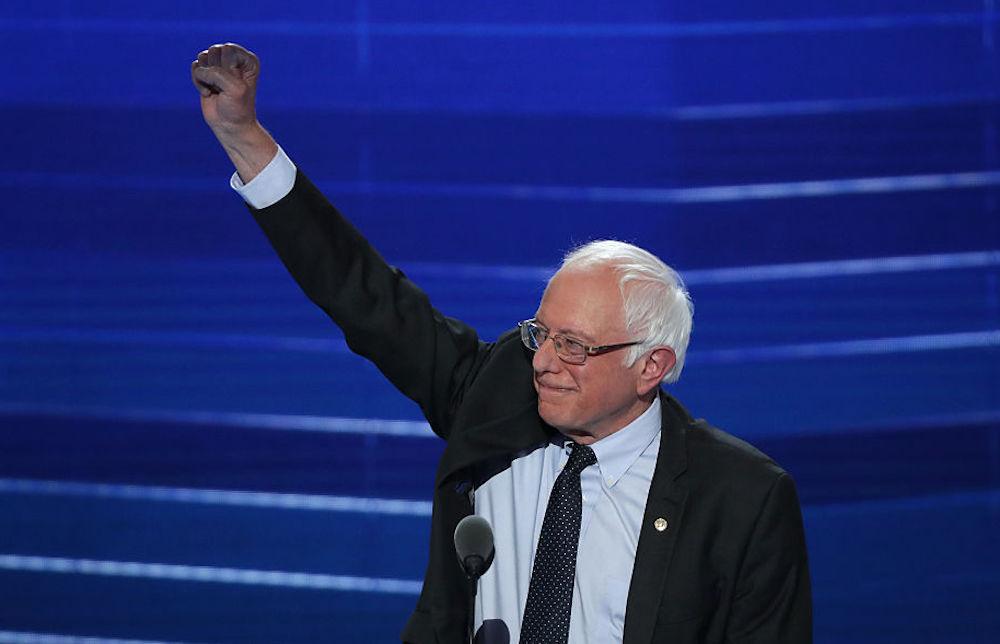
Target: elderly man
{"points": [[617, 516]]}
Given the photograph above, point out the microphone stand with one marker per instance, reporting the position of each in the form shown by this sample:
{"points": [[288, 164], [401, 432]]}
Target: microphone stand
{"points": [[474, 567]]}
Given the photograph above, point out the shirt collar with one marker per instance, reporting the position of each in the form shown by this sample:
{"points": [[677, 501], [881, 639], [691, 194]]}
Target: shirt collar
{"points": [[618, 451]]}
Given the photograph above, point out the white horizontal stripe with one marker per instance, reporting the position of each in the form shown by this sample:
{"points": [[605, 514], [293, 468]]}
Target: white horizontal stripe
{"points": [[692, 112], [209, 574], [22, 637], [282, 422], [469, 106], [931, 503], [730, 274], [844, 268], [283, 501], [643, 30], [823, 188], [734, 355], [531, 192], [420, 271], [846, 348], [704, 194], [728, 111], [187, 339]]}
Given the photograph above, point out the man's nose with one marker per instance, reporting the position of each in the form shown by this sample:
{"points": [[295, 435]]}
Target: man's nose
{"points": [[546, 359]]}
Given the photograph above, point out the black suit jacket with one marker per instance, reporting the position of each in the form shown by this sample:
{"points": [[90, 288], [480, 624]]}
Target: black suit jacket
{"points": [[730, 565]]}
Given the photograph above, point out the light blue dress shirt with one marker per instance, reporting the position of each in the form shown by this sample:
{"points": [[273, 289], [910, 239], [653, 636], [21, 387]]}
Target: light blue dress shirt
{"points": [[614, 499]]}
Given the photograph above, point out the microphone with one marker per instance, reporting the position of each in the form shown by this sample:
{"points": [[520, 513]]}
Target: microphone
{"points": [[474, 545]]}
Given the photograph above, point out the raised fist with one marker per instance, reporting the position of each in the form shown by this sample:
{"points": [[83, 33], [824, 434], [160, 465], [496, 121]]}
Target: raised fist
{"points": [[226, 78]]}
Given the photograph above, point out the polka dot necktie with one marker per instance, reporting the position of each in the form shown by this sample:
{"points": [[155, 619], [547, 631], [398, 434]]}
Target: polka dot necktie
{"points": [[550, 592]]}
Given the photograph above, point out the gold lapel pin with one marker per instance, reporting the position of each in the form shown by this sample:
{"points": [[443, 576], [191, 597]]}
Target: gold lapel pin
{"points": [[660, 524]]}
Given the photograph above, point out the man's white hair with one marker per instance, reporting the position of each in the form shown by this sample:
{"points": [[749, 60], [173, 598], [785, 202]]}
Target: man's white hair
{"points": [[658, 309]]}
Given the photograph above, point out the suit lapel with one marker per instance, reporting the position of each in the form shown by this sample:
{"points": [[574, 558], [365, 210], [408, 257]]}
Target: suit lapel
{"points": [[661, 524]]}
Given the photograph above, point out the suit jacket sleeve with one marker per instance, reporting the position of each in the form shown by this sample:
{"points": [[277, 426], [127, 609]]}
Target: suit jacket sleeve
{"points": [[384, 316], [772, 602]]}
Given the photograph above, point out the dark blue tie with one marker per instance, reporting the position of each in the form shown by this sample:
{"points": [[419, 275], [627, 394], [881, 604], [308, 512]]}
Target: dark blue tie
{"points": [[550, 592]]}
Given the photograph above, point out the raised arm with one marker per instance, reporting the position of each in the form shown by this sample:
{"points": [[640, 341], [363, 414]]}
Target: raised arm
{"points": [[384, 316], [226, 77]]}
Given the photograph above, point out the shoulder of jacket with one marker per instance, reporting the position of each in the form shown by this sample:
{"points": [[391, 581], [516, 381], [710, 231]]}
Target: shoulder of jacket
{"points": [[719, 454]]}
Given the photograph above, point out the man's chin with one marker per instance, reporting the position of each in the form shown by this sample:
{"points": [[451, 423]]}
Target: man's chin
{"points": [[550, 413], [554, 415]]}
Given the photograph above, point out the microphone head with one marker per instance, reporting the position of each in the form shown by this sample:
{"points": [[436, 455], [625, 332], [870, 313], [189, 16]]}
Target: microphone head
{"points": [[474, 545]]}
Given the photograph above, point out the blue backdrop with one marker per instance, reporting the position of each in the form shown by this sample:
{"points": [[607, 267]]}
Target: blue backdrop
{"points": [[188, 453]]}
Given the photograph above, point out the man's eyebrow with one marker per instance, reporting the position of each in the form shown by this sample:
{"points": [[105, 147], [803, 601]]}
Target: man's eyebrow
{"points": [[575, 334]]}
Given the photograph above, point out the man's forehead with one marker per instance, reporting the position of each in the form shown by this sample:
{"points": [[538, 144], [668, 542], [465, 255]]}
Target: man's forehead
{"points": [[583, 303], [570, 330]]}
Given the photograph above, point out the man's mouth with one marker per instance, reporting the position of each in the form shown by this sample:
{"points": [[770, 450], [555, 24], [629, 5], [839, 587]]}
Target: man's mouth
{"points": [[552, 389]]}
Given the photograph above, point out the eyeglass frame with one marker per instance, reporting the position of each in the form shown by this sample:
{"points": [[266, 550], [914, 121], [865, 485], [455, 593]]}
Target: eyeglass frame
{"points": [[588, 350]]}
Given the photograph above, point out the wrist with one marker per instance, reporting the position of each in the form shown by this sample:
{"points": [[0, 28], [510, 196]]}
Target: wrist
{"points": [[249, 147], [239, 135]]}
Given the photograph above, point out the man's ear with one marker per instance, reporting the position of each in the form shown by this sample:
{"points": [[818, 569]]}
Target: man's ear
{"points": [[655, 365]]}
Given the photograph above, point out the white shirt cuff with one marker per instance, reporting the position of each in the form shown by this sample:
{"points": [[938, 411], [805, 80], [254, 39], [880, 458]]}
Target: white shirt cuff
{"points": [[271, 185]]}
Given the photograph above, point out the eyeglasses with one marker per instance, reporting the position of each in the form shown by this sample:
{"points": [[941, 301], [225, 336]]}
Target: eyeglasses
{"points": [[534, 335]]}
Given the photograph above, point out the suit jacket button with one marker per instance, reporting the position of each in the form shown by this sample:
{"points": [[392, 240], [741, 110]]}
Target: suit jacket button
{"points": [[660, 524]]}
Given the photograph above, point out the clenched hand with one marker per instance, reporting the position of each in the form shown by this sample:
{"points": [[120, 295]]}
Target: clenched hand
{"points": [[226, 77]]}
